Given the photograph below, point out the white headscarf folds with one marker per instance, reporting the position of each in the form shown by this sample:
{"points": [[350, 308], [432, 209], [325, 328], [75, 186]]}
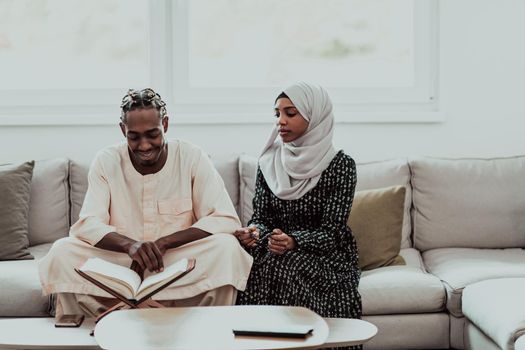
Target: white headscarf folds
{"points": [[294, 168]]}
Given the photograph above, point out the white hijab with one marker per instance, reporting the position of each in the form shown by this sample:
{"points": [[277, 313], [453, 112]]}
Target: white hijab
{"points": [[294, 168]]}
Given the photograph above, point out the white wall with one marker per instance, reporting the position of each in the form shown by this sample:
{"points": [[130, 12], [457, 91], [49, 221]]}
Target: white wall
{"points": [[482, 83]]}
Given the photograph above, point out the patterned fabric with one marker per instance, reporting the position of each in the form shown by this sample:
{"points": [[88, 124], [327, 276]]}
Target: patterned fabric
{"points": [[322, 273]]}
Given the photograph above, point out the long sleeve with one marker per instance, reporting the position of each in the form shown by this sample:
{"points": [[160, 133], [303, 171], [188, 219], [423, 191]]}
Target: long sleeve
{"points": [[264, 217], [212, 205], [336, 210], [93, 223]]}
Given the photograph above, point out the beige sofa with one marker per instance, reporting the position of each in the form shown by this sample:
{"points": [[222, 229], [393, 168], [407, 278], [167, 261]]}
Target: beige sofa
{"points": [[464, 222]]}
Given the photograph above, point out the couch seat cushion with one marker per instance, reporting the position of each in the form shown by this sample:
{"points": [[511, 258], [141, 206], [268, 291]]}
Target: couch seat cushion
{"points": [[21, 293], [459, 267], [503, 318], [404, 289]]}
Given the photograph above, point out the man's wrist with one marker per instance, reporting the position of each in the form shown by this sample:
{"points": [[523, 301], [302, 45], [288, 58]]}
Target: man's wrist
{"points": [[163, 243], [127, 245]]}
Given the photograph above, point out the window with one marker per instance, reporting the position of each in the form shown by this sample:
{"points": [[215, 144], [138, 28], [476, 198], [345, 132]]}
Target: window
{"points": [[70, 58], [221, 60], [339, 43]]}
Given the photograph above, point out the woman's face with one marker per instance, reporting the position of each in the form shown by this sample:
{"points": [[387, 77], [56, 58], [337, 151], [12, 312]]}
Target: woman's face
{"points": [[290, 122]]}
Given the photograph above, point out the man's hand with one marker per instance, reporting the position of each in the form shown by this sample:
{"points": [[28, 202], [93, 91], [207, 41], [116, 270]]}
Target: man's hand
{"points": [[136, 267], [280, 242], [147, 255], [247, 236]]}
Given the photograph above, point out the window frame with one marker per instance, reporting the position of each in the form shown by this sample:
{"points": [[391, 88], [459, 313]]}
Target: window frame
{"points": [[169, 75]]}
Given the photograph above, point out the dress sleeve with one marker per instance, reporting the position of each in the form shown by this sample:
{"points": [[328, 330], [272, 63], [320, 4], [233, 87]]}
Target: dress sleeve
{"points": [[212, 205], [336, 210], [93, 223], [264, 217]]}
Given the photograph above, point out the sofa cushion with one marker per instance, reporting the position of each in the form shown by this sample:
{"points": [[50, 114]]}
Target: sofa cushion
{"points": [[409, 331], [376, 220], [402, 289], [247, 173], [78, 184], [15, 187], [49, 208], [457, 332], [520, 343], [388, 173], [460, 267], [474, 338], [228, 168], [21, 293], [474, 203], [503, 318], [369, 176]]}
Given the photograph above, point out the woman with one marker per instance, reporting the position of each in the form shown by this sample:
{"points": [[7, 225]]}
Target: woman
{"points": [[304, 252]]}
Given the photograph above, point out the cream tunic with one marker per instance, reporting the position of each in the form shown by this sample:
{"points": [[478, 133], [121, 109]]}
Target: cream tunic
{"points": [[186, 192]]}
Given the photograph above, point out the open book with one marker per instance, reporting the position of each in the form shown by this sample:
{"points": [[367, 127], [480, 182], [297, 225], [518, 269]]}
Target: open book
{"points": [[121, 281]]}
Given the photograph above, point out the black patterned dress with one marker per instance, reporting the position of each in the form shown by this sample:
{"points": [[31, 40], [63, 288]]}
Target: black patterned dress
{"points": [[322, 272]]}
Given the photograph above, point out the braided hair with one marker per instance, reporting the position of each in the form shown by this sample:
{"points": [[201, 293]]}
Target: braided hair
{"points": [[145, 98]]}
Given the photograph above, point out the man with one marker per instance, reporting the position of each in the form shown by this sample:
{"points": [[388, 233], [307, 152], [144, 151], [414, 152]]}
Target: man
{"points": [[150, 203]]}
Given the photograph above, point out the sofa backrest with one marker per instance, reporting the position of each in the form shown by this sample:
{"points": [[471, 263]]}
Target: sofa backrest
{"points": [[386, 173], [477, 203], [49, 206], [227, 166], [78, 184], [49, 203], [247, 173], [369, 176]]}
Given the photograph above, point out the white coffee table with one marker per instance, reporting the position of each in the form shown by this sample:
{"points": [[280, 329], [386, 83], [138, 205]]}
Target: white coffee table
{"points": [[40, 333], [211, 327], [348, 332]]}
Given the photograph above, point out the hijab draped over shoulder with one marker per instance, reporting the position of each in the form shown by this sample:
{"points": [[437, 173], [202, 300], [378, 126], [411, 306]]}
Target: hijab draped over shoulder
{"points": [[294, 168]]}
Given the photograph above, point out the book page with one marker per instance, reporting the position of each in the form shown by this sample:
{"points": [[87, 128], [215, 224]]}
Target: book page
{"points": [[169, 272], [118, 277]]}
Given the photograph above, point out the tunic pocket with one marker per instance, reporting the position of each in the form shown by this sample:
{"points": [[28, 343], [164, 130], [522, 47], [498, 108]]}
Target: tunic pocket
{"points": [[175, 214], [175, 206]]}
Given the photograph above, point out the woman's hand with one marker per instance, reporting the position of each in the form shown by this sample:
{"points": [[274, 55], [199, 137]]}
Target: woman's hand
{"points": [[247, 236], [280, 242]]}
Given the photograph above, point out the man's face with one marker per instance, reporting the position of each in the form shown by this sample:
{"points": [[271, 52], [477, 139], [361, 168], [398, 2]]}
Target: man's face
{"points": [[144, 132]]}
